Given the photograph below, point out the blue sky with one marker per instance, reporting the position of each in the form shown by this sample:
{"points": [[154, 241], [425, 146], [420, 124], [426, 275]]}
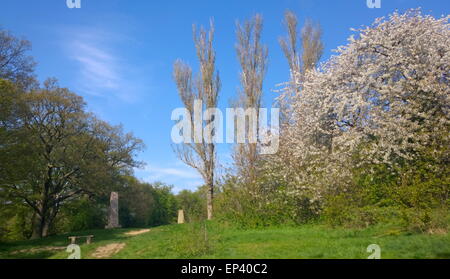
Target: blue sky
{"points": [[118, 54]]}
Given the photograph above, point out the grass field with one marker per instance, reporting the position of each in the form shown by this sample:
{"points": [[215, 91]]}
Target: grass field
{"points": [[213, 241]]}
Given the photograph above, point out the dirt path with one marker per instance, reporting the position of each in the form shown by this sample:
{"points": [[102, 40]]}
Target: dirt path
{"points": [[138, 232], [108, 250]]}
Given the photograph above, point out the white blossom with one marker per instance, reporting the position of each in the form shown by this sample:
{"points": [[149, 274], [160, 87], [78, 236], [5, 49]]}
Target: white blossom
{"points": [[385, 95]]}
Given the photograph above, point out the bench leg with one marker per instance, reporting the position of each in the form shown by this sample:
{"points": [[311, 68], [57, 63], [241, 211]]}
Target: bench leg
{"points": [[88, 240]]}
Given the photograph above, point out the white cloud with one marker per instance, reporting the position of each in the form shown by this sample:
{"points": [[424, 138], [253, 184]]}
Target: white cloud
{"points": [[103, 71], [98, 68]]}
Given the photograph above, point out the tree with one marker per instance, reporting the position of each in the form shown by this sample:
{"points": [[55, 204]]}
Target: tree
{"points": [[15, 65], [303, 51], [191, 203], [165, 204], [64, 152], [385, 98], [252, 56], [200, 153], [137, 203]]}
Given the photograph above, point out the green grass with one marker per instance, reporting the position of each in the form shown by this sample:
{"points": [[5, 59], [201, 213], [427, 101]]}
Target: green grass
{"points": [[220, 242]]}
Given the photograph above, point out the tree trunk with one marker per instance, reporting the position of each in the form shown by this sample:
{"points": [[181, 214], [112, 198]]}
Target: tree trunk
{"points": [[38, 226], [46, 228], [42, 221], [209, 198]]}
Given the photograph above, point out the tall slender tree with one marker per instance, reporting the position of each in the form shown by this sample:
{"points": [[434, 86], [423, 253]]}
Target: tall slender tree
{"points": [[303, 50], [200, 153], [252, 57]]}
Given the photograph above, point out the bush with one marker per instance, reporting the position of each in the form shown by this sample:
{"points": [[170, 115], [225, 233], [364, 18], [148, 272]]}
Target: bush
{"points": [[193, 204], [79, 215], [426, 220], [14, 222], [236, 205], [413, 194], [359, 217], [165, 205], [136, 203], [342, 210], [146, 204]]}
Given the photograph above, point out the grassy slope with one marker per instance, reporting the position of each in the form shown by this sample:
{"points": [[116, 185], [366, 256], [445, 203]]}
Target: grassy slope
{"points": [[188, 241]]}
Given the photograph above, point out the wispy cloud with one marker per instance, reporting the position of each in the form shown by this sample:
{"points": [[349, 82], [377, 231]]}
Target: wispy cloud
{"points": [[98, 68], [103, 68]]}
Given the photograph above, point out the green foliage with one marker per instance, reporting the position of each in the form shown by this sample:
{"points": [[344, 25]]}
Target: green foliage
{"points": [[136, 201], [340, 210], [64, 151], [146, 204], [138, 207], [193, 204], [246, 209], [81, 214], [15, 64], [165, 205], [10, 102], [433, 221], [14, 222], [413, 194]]}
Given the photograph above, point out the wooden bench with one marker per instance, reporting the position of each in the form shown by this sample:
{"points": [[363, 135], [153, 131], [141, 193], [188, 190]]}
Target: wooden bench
{"points": [[73, 239]]}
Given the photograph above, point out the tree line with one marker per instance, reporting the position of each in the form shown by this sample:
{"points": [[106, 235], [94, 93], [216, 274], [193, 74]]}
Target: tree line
{"points": [[59, 162], [303, 50], [364, 136]]}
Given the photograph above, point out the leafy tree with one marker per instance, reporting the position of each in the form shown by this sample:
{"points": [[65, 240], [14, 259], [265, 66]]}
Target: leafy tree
{"points": [[384, 99], [84, 213], [165, 205], [192, 204], [137, 203], [15, 65], [64, 152]]}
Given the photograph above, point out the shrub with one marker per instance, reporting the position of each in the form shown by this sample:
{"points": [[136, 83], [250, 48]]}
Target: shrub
{"points": [[193, 204], [246, 209], [426, 220], [79, 215]]}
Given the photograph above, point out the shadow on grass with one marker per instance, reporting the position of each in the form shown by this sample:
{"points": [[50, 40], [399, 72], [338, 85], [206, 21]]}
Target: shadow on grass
{"points": [[443, 256], [24, 249], [34, 255]]}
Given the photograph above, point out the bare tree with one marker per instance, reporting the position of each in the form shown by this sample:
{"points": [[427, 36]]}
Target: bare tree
{"points": [[303, 51], [15, 65], [252, 56], [203, 91], [289, 44]]}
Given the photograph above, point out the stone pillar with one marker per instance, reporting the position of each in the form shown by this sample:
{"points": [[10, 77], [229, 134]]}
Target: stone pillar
{"points": [[113, 212], [180, 217]]}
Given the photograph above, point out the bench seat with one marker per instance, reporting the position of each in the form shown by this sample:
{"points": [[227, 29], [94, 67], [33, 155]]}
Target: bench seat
{"points": [[73, 239]]}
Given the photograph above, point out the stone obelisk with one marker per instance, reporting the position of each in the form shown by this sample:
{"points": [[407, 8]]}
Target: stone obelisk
{"points": [[113, 212], [180, 217]]}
